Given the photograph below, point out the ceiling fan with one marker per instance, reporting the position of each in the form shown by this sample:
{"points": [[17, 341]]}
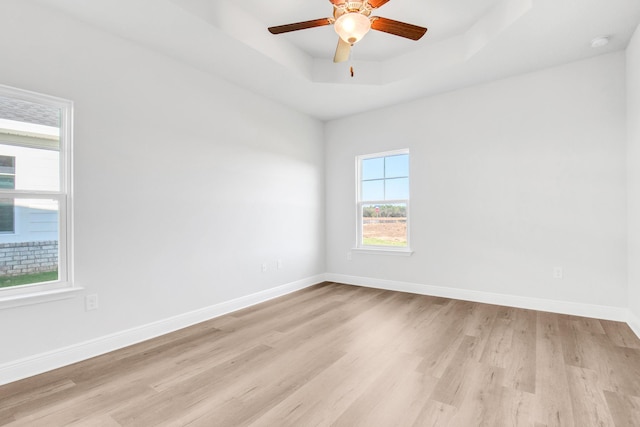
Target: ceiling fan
{"points": [[352, 20]]}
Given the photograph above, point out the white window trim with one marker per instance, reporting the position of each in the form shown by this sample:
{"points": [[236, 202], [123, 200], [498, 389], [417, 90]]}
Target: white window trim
{"points": [[382, 250], [64, 287], [372, 249]]}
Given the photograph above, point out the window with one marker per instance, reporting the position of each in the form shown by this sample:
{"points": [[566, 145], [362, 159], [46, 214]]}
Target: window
{"points": [[383, 201], [35, 196], [7, 181]]}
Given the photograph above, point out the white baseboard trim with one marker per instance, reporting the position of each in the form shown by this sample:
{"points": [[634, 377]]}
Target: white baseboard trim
{"points": [[37, 364], [634, 323], [564, 307]]}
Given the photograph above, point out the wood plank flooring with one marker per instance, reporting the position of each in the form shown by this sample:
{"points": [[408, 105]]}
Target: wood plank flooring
{"points": [[337, 355]]}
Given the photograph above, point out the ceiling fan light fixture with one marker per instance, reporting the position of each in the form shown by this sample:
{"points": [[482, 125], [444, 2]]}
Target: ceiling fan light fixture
{"points": [[352, 27]]}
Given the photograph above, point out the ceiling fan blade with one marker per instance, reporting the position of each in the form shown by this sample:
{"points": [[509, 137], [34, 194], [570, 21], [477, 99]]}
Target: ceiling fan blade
{"points": [[299, 26], [397, 28], [342, 51], [377, 3]]}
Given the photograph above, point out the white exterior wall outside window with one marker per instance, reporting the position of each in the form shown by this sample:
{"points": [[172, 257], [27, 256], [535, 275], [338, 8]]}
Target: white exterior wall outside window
{"points": [[36, 255], [383, 202], [37, 168]]}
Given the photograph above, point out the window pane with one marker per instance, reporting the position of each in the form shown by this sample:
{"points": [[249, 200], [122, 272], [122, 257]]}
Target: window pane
{"points": [[373, 190], [36, 169], [6, 216], [397, 188], [30, 255], [397, 166], [7, 164], [7, 172], [7, 182], [373, 168], [19, 110], [30, 144], [384, 225]]}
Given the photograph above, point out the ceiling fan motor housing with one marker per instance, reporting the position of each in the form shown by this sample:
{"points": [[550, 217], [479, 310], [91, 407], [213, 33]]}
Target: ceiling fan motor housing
{"points": [[361, 7]]}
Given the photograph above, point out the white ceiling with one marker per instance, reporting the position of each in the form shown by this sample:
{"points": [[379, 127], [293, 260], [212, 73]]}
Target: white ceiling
{"points": [[468, 42]]}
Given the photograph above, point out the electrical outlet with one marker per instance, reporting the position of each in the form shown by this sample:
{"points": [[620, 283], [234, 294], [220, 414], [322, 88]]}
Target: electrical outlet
{"points": [[280, 265], [557, 273], [348, 255], [91, 302], [264, 267]]}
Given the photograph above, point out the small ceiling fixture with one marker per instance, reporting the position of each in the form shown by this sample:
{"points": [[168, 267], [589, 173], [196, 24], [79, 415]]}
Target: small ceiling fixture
{"points": [[600, 42]]}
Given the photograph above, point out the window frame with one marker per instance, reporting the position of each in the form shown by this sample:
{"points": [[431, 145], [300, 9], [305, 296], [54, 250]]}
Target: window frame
{"points": [[360, 203], [64, 287]]}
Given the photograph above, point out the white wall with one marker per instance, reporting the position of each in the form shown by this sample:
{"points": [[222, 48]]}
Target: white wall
{"points": [[508, 180], [184, 183], [633, 175]]}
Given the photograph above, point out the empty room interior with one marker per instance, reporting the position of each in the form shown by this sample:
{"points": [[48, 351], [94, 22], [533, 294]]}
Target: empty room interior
{"points": [[257, 213]]}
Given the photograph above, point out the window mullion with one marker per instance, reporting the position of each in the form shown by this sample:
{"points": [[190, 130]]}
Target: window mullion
{"points": [[384, 178], [31, 194]]}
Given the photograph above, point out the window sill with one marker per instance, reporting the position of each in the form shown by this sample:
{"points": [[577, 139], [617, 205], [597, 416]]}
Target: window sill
{"points": [[18, 300], [376, 251]]}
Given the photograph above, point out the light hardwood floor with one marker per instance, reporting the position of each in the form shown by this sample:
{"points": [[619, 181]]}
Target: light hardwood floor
{"points": [[350, 356]]}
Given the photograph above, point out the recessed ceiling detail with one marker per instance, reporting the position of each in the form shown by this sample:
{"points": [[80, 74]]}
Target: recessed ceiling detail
{"points": [[469, 42], [439, 55], [481, 25]]}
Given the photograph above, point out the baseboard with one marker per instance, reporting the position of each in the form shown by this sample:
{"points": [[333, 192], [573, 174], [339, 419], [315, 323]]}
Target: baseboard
{"points": [[564, 307], [33, 365], [634, 323]]}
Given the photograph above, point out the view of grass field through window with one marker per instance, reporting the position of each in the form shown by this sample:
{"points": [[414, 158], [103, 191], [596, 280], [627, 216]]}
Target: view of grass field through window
{"points": [[383, 200], [384, 225]]}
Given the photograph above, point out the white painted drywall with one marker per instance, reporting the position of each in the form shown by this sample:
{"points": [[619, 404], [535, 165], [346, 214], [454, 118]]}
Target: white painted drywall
{"points": [[633, 172], [184, 183], [508, 180]]}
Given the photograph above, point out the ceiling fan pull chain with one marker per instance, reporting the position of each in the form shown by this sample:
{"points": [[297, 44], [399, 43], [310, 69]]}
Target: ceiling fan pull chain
{"points": [[351, 72]]}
